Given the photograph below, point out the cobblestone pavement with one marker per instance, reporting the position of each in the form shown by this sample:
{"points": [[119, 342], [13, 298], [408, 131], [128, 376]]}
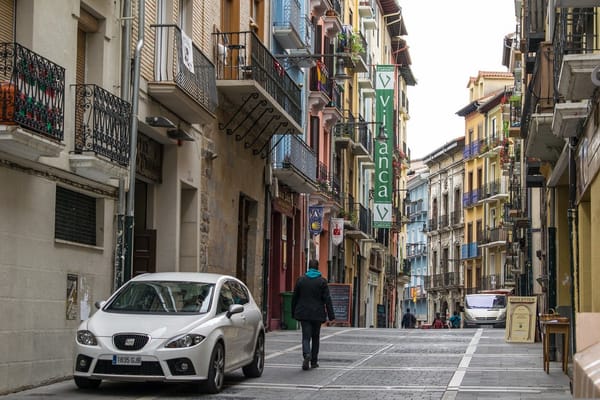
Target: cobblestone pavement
{"points": [[355, 363]]}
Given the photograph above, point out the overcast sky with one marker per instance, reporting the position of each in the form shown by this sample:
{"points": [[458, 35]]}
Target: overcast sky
{"points": [[449, 41]]}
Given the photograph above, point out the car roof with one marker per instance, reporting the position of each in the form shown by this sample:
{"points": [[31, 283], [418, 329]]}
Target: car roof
{"points": [[205, 277]]}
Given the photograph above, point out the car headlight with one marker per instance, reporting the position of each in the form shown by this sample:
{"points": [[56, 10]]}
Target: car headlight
{"points": [[87, 338], [187, 340]]}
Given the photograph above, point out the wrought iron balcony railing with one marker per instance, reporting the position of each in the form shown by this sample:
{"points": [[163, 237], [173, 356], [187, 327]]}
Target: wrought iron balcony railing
{"points": [[291, 27], [576, 32], [291, 152], [102, 123], [490, 282], [455, 217], [242, 56], [33, 91], [196, 78], [446, 279]]}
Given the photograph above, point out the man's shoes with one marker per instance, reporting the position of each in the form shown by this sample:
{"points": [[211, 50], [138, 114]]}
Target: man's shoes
{"points": [[305, 362], [314, 364]]}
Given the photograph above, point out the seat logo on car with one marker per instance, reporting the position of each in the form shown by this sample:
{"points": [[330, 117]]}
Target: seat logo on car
{"points": [[129, 342]]}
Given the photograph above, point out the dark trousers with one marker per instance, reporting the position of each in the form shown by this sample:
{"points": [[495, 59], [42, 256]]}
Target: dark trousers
{"points": [[311, 331]]}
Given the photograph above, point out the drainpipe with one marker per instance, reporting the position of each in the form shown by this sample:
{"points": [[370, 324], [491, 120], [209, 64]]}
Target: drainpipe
{"points": [[129, 220], [266, 248], [572, 220], [125, 78]]}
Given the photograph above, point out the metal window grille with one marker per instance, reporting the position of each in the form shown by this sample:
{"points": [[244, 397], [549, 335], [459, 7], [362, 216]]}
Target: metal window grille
{"points": [[75, 217]]}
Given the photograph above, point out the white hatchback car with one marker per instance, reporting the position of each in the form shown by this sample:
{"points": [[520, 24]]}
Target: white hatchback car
{"points": [[175, 327]]}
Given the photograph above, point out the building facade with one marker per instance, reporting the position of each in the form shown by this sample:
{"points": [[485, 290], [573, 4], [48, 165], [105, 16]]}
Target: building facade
{"points": [[559, 127], [446, 280], [415, 295], [180, 136], [482, 89]]}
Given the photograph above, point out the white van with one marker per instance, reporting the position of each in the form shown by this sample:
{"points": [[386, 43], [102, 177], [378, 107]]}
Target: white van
{"points": [[486, 308]]}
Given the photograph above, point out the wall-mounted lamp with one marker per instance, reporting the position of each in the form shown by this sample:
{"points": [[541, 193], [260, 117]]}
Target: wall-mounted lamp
{"points": [[308, 60], [180, 134], [340, 70], [160, 122]]}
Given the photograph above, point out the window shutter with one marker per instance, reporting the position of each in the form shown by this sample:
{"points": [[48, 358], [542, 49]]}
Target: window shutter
{"points": [[7, 16]]}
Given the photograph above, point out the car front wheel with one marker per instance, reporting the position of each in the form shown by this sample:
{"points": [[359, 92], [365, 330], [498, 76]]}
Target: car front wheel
{"points": [[216, 370], [256, 367], [86, 383]]}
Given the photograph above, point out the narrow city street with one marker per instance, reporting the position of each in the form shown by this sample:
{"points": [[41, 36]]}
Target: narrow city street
{"points": [[360, 363]]}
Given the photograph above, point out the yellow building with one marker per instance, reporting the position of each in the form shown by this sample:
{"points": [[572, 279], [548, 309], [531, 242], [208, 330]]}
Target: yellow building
{"points": [[482, 89]]}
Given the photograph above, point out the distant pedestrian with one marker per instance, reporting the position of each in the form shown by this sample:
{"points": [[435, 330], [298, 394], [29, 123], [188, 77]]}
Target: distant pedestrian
{"points": [[408, 320], [311, 305], [455, 320], [437, 322]]}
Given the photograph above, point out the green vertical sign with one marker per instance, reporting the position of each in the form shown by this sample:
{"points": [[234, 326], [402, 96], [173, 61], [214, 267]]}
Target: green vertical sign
{"points": [[384, 108]]}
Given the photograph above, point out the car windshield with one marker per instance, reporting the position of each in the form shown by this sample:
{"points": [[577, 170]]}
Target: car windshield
{"points": [[163, 297], [486, 301]]}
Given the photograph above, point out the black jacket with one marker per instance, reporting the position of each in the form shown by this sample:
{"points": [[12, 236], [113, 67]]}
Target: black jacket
{"points": [[311, 300]]}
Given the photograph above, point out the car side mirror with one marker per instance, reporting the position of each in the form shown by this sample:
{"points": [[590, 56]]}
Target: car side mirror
{"points": [[234, 309], [99, 304]]}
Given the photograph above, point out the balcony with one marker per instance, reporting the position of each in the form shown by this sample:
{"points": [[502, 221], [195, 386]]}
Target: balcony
{"points": [[445, 280], [455, 217], [495, 190], [568, 118], [574, 79], [295, 164], [575, 53], [577, 3], [365, 9], [258, 96], [357, 222], [363, 143], [332, 112], [541, 142], [186, 87], [494, 237], [332, 24], [318, 95], [538, 110], [292, 29], [32, 93], [101, 149], [366, 81]]}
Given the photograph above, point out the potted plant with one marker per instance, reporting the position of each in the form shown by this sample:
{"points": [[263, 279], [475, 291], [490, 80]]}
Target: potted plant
{"points": [[350, 42]]}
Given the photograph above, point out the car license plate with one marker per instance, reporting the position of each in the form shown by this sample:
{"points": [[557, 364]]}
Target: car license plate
{"points": [[126, 360]]}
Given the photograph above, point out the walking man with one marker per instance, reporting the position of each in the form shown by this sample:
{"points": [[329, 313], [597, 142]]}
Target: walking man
{"points": [[408, 320], [311, 305]]}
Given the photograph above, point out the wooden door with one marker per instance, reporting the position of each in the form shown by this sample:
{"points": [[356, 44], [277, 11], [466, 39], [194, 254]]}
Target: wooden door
{"points": [[144, 249]]}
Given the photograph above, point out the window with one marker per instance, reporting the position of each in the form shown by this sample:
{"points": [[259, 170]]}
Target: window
{"points": [[239, 293], [225, 298], [75, 217]]}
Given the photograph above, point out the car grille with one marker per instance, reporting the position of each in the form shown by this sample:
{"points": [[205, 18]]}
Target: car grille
{"points": [[130, 341], [150, 368], [486, 318]]}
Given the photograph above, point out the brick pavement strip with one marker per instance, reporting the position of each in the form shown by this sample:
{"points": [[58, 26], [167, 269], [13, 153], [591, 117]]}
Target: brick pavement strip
{"points": [[374, 364]]}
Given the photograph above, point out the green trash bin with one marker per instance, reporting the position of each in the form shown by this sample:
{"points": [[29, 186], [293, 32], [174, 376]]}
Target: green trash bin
{"points": [[288, 322]]}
